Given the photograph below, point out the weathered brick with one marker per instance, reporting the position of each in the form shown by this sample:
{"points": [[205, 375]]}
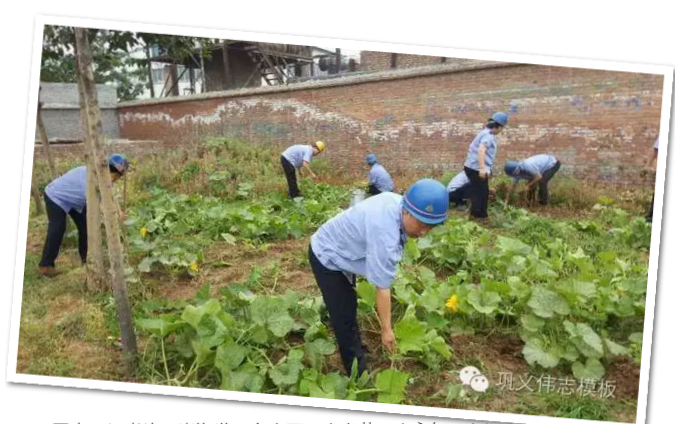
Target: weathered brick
{"points": [[601, 124]]}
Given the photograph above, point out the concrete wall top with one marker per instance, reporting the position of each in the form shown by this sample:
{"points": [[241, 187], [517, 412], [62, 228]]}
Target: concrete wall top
{"points": [[66, 96], [316, 84]]}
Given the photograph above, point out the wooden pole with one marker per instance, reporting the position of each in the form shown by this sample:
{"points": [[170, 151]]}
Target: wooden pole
{"points": [[150, 71], [44, 139], [96, 277], [173, 90], [338, 60], [108, 203], [226, 66], [36, 195]]}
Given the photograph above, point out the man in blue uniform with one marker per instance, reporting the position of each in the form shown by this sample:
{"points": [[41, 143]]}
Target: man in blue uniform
{"points": [[367, 239], [478, 163], [379, 180], [538, 169], [459, 189], [295, 158], [67, 195]]}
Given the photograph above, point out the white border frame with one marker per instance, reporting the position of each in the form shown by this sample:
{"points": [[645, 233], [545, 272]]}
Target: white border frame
{"points": [[12, 376]]}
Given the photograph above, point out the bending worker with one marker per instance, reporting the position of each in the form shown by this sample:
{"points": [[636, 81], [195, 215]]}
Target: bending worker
{"points": [[538, 169], [368, 239], [459, 189], [297, 157], [67, 195], [379, 180], [478, 164]]}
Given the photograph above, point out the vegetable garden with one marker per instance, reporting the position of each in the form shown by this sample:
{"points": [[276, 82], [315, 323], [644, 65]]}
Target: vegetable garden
{"points": [[224, 298]]}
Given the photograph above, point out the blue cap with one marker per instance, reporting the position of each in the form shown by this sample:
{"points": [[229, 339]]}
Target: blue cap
{"points": [[371, 159], [119, 162], [427, 201], [510, 167], [501, 118]]}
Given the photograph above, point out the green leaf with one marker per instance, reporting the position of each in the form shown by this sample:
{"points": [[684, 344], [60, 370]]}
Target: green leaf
{"points": [[483, 301], [260, 335], [229, 356], [426, 276], [331, 386], [287, 374], [391, 385], [438, 344], [316, 349], [532, 323], [244, 379], [367, 293], [146, 263], [158, 326], [514, 246], [546, 303], [411, 252], [593, 369], [280, 324], [614, 348], [272, 313], [410, 335], [203, 294], [453, 392], [204, 354], [636, 338], [193, 314], [585, 338], [535, 352]]}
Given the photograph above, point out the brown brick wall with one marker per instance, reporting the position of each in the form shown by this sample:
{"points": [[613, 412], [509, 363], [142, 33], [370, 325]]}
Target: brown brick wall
{"points": [[380, 61], [600, 124]]}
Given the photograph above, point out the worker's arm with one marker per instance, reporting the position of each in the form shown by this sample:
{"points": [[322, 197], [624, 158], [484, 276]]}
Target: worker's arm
{"points": [[510, 191], [383, 305], [306, 165], [481, 151], [534, 181]]}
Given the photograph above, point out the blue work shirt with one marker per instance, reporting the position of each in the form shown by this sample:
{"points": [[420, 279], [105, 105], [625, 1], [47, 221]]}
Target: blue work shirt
{"points": [[69, 191], [298, 154], [366, 239], [537, 164], [457, 182], [380, 178], [485, 138]]}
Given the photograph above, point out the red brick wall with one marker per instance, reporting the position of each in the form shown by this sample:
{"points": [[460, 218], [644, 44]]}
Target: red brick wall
{"points": [[600, 124], [380, 61]]}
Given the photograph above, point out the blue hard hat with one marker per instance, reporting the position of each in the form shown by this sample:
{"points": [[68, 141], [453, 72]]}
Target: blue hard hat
{"points": [[371, 159], [510, 167], [427, 201], [119, 162], [501, 118]]}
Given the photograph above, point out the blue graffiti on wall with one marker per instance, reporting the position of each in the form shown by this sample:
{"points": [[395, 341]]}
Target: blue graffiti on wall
{"points": [[458, 109], [384, 120], [635, 102], [270, 130]]}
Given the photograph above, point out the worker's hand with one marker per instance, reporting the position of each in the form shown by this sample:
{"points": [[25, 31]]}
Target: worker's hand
{"points": [[483, 175], [388, 339]]}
